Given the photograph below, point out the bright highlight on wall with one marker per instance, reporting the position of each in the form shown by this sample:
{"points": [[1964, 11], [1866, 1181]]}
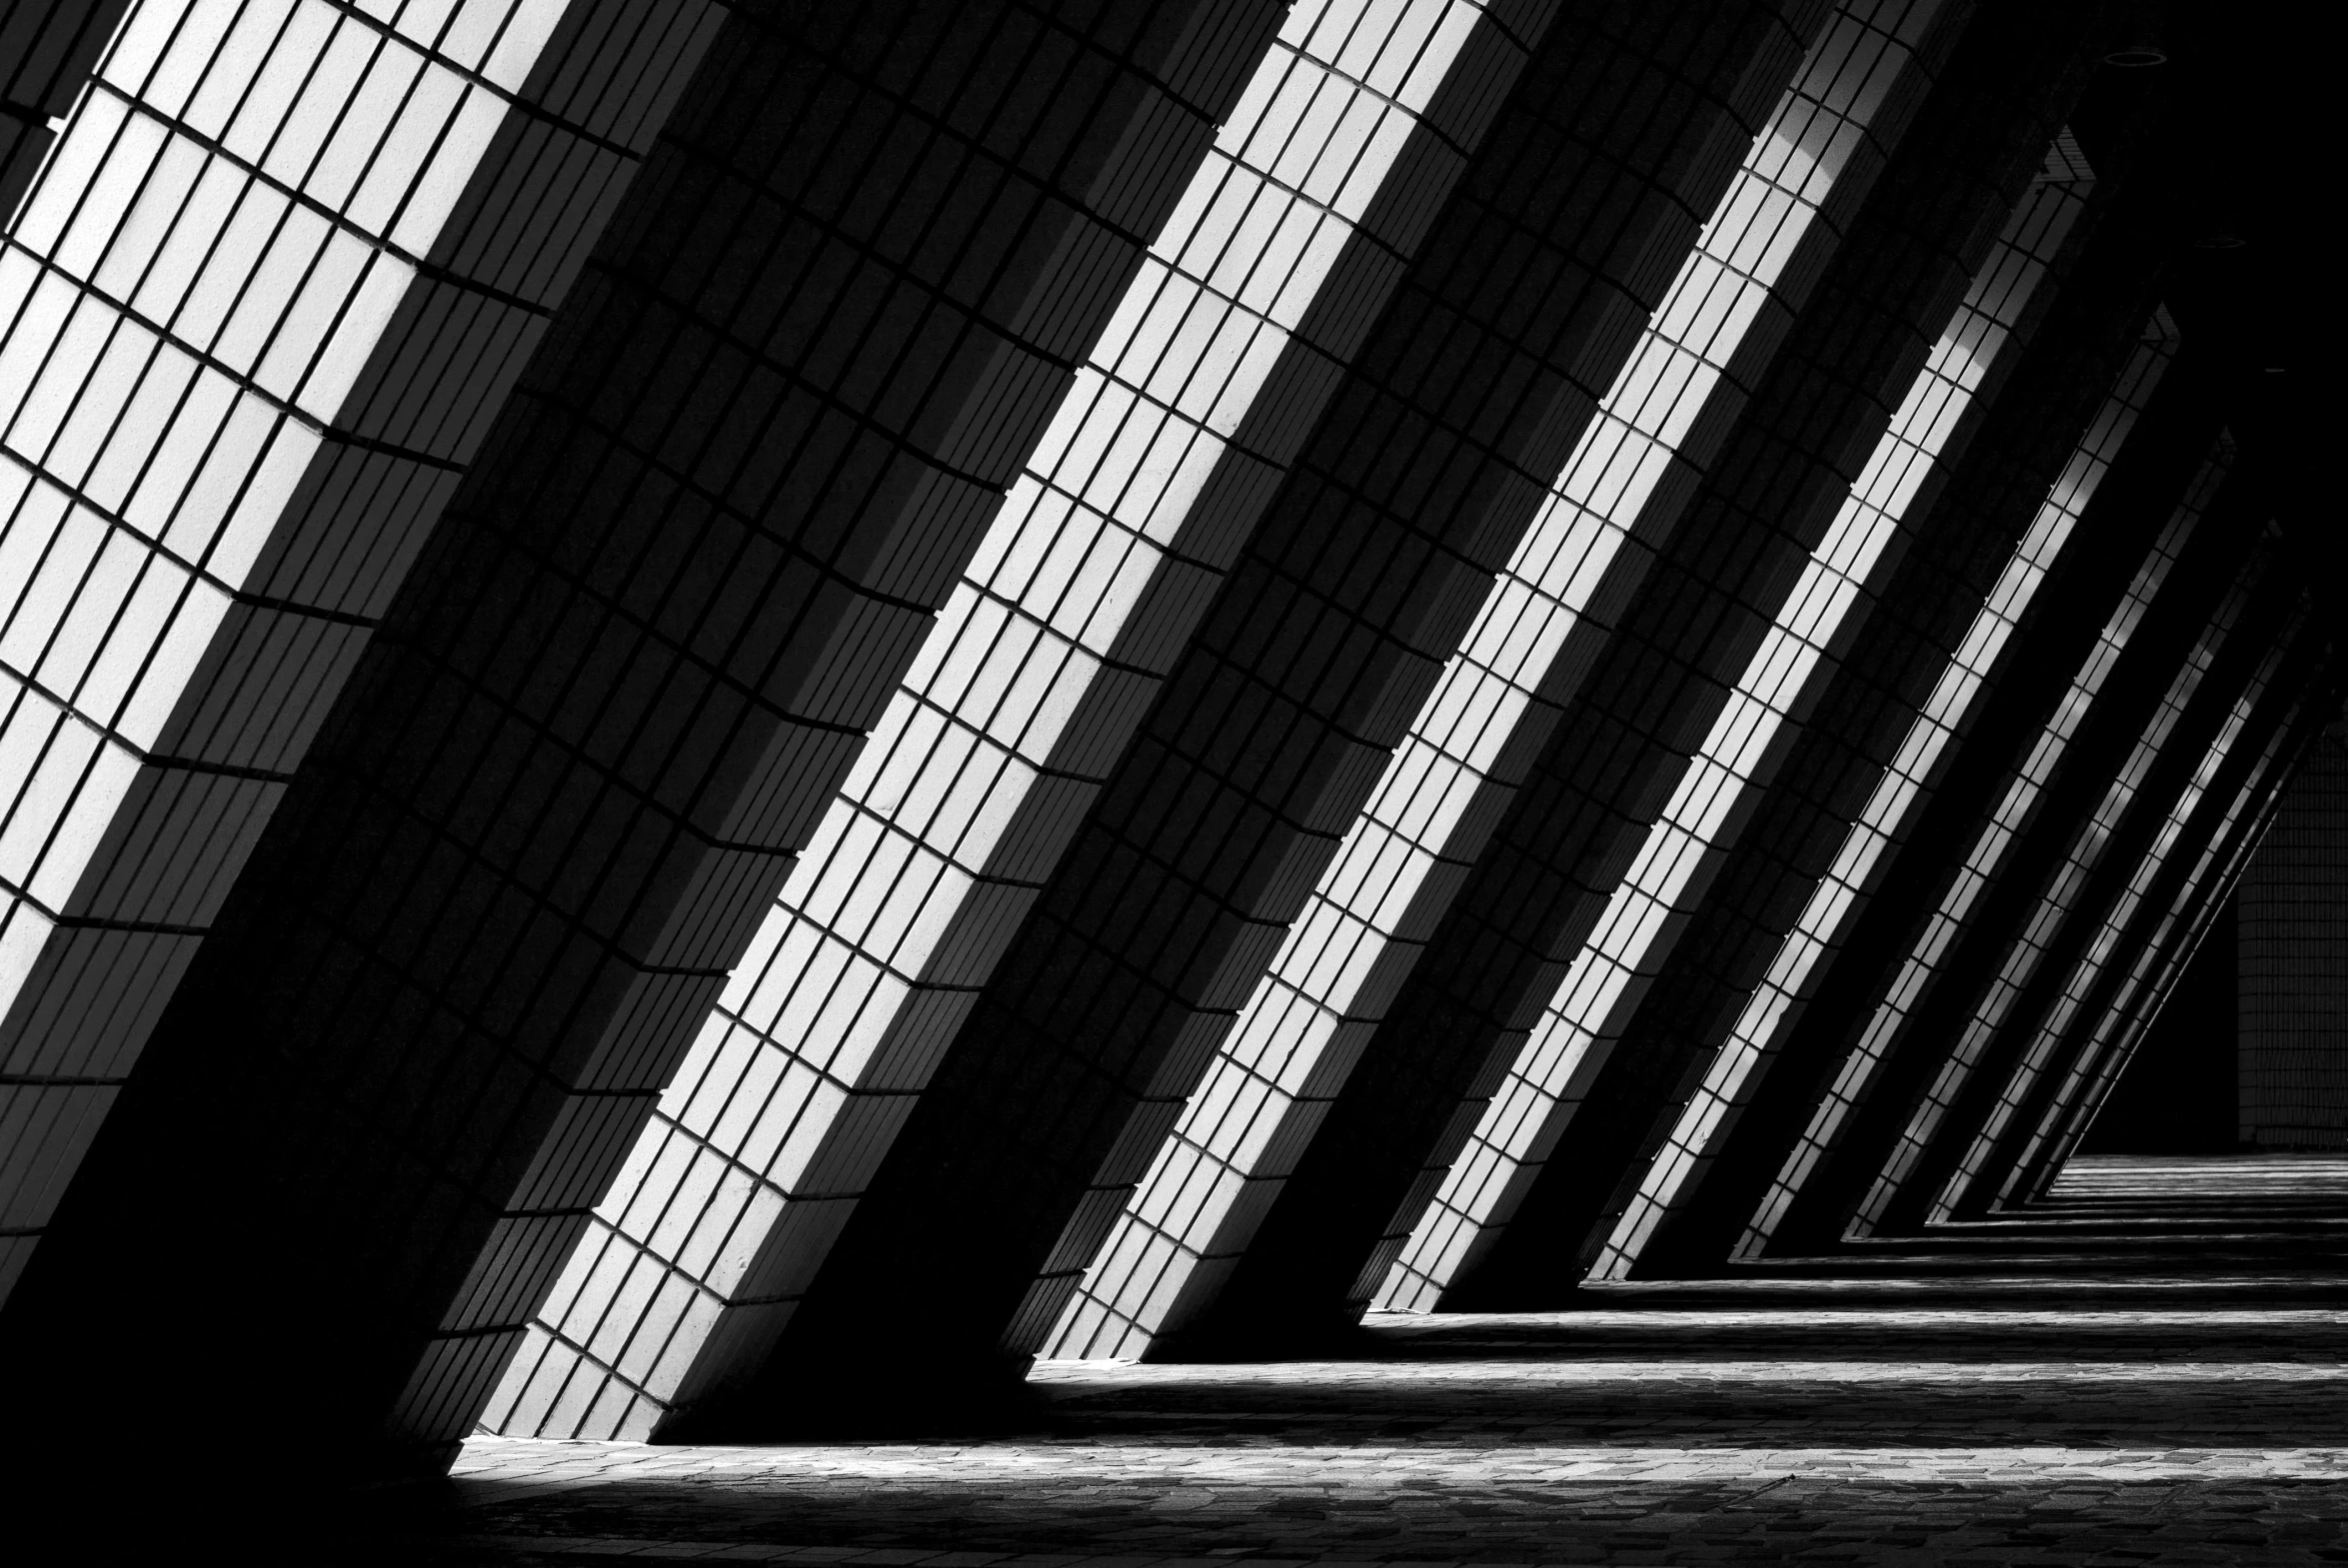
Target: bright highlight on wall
{"points": [[1041, 664], [1304, 1026]]}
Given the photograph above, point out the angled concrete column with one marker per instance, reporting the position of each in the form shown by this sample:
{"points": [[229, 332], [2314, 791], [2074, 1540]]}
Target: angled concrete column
{"points": [[1516, 988], [259, 311], [2005, 968], [1559, 236], [2051, 630], [819, 341], [1952, 946], [1607, 1094], [2188, 923], [2100, 885], [1715, 1019], [1191, 1217], [1613, 841], [1353, 1167], [1816, 867], [1283, 250], [2166, 894]]}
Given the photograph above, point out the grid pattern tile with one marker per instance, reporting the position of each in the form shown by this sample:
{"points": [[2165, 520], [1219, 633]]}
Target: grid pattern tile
{"points": [[1365, 923], [1632, 938], [2201, 910], [1986, 853], [47, 51], [1550, 946], [2294, 962], [2032, 1076], [1030, 684], [1912, 758], [819, 340], [2051, 910], [2164, 907], [273, 284], [1584, 1016], [1331, 632]]}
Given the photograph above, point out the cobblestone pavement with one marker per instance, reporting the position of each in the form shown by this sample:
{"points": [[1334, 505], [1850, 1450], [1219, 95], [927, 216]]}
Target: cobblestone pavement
{"points": [[2052, 1402]]}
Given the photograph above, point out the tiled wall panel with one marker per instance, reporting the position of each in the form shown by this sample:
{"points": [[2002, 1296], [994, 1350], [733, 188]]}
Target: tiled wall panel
{"points": [[2294, 962], [1224, 353], [1598, 1097], [2098, 929], [1278, 718], [2027, 907], [1716, 1016], [1326, 1228], [2197, 922], [1812, 929], [817, 345], [1290, 1057], [2174, 896], [2021, 684], [274, 282], [1543, 954]]}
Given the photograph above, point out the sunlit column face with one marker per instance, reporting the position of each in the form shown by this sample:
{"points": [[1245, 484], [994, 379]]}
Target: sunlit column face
{"points": [[2089, 967], [1986, 857], [249, 334], [1583, 1021], [2137, 1000], [1791, 657], [1841, 896], [1300, 1032], [1036, 673], [2019, 966]]}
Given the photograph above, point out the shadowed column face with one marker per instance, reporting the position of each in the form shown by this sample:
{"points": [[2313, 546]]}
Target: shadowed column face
{"points": [[47, 51], [2194, 732], [1222, 354], [1193, 1215], [1990, 970], [1766, 1078], [2163, 899], [1563, 229], [2069, 633], [2190, 936], [1876, 742], [1521, 985], [819, 340], [256, 317], [1608, 1095]]}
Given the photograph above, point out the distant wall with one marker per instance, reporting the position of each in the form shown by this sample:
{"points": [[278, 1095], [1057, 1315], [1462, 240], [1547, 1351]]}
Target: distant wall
{"points": [[2293, 963]]}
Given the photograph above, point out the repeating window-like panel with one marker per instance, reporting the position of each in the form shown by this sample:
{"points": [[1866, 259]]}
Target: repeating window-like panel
{"points": [[1585, 1018], [2088, 968], [2157, 964], [1986, 853], [2029, 948], [1022, 695], [2025, 250], [1305, 1022], [273, 279]]}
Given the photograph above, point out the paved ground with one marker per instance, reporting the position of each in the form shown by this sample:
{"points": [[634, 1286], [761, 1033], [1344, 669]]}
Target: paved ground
{"points": [[2153, 1371]]}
